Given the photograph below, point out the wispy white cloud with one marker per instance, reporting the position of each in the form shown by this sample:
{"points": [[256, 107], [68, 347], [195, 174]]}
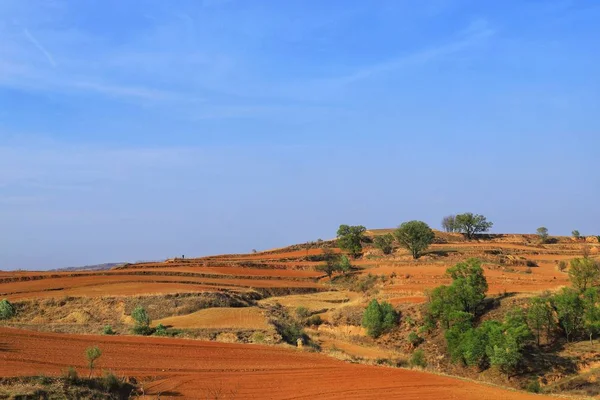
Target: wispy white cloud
{"points": [[476, 32], [39, 46]]}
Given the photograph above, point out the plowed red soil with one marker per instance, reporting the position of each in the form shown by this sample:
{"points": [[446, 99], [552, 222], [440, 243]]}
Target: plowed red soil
{"points": [[185, 369]]}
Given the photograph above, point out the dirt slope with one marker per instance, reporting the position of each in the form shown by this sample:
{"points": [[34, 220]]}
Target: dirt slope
{"points": [[182, 369]]}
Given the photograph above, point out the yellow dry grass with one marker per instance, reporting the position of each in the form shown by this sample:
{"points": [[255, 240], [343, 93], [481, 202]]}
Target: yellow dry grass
{"points": [[219, 318]]}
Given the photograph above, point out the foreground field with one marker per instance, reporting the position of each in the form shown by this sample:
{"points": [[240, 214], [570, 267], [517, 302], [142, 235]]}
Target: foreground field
{"points": [[176, 368]]}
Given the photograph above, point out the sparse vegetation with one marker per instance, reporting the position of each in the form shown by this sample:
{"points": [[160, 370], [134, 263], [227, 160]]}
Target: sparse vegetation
{"points": [[416, 236], [471, 224]]}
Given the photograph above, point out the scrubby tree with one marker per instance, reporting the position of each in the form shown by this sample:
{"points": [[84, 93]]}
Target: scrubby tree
{"points": [[542, 233], [345, 265], [470, 284], [92, 354], [442, 302], [7, 310], [385, 243], [379, 318], [576, 234], [416, 236], [465, 294], [507, 340], [569, 310], [540, 316], [449, 223], [140, 316], [350, 239], [584, 273], [470, 224], [331, 263], [591, 317]]}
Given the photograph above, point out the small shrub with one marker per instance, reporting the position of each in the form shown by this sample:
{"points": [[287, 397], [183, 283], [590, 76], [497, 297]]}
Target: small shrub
{"points": [[302, 312], [110, 382], [531, 263], [414, 339], [108, 330], [562, 266], [534, 386], [140, 316], [315, 320], [291, 331], [142, 330], [71, 375], [160, 330], [7, 310], [258, 337], [418, 359], [92, 354]]}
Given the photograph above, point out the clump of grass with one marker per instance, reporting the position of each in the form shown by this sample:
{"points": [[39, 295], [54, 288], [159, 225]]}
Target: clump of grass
{"points": [[418, 359]]}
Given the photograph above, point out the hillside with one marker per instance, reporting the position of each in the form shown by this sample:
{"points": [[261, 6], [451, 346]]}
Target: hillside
{"points": [[248, 298]]}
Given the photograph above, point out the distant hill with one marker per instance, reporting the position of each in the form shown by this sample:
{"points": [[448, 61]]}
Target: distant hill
{"points": [[95, 267]]}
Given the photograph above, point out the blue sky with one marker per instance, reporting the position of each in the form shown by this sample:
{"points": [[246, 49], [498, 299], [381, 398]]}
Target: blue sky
{"points": [[134, 130]]}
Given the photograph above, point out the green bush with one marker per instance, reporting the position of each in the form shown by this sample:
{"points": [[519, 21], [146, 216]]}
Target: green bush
{"points": [[534, 386], [302, 312], [160, 330], [7, 310], [110, 382], [291, 331], [414, 339], [418, 359], [140, 316], [379, 318], [142, 330], [108, 330], [315, 320]]}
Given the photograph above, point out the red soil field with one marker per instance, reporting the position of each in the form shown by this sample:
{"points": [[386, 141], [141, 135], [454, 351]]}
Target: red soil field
{"points": [[124, 284], [187, 369]]}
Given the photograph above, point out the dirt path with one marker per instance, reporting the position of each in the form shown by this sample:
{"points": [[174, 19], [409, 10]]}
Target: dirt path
{"points": [[186, 369]]}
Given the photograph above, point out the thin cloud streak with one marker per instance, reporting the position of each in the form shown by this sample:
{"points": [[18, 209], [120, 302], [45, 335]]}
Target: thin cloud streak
{"points": [[39, 46], [475, 33]]}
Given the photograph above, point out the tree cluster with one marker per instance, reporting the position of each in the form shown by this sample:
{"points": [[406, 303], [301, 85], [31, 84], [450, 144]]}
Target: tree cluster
{"points": [[468, 223], [456, 307]]}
